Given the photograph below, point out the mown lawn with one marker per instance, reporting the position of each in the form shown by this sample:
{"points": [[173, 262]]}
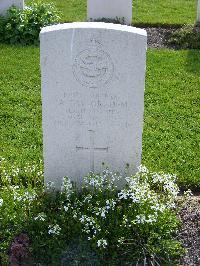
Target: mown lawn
{"points": [[20, 115], [144, 11], [171, 139], [171, 129]]}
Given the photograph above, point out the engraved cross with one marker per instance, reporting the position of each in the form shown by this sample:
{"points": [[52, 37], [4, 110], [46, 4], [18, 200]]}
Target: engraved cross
{"points": [[92, 149]]}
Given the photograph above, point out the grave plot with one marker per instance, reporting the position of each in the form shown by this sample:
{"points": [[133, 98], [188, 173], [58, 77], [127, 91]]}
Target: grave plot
{"points": [[120, 10], [6, 4], [93, 98]]}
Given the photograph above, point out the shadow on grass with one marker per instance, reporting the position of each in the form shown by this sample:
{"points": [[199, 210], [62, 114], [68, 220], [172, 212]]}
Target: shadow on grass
{"points": [[156, 25], [192, 63]]}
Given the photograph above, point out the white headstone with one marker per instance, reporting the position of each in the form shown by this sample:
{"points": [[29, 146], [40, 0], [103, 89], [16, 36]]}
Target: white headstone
{"points": [[93, 77], [6, 4], [198, 11], [112, 9]]}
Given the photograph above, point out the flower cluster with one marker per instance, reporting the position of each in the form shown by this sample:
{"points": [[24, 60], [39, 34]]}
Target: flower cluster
{"points": [[24, 175], [90, 225], [102, 181], [110, 218], [27, 196], [54, 229], [102, 243], [145, 198], [66, 187]]}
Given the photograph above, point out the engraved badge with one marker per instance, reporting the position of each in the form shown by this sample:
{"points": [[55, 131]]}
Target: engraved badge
{"points": [[93, 67]]}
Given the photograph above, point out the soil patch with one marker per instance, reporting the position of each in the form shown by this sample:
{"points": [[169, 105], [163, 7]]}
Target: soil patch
{"points": [[190, 232], [158, 37]]}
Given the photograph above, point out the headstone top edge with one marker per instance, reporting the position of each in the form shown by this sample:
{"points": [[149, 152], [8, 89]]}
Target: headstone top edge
{"points": [[93, 25]]}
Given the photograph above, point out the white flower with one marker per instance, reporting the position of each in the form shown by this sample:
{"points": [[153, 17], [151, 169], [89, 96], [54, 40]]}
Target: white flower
{"points": [[106, 179], [41, 217], [110, 204], [25, 196], [1, 202], [103, 214], [66, 208], [102, 243], [151, 219], [168, 183], [140, 219], [90, 225], [29, 196], [66, 187], [123, 195], [82, 219], [156, 178], [50, 185], [17, 197], [54, 229], [188, 193], [101, 211], [87, 199], [171, 205], [75, 214], [143, 169], [158, 207]]}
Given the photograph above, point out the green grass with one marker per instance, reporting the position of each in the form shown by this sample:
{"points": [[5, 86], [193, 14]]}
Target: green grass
{"points": [[171, 136], [144, 11], [171, 130], [20, 138], [165, 11]]}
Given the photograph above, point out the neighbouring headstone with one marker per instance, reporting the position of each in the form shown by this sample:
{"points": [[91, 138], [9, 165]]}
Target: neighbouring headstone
{"points": [[109, 9], [6, 4], [93, 77], [198, 11]]}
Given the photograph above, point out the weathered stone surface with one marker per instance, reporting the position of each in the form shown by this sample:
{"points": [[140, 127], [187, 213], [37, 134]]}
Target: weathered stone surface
{"points": [[6, 4], [198, 11], [97, 9], [93, 78]]}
